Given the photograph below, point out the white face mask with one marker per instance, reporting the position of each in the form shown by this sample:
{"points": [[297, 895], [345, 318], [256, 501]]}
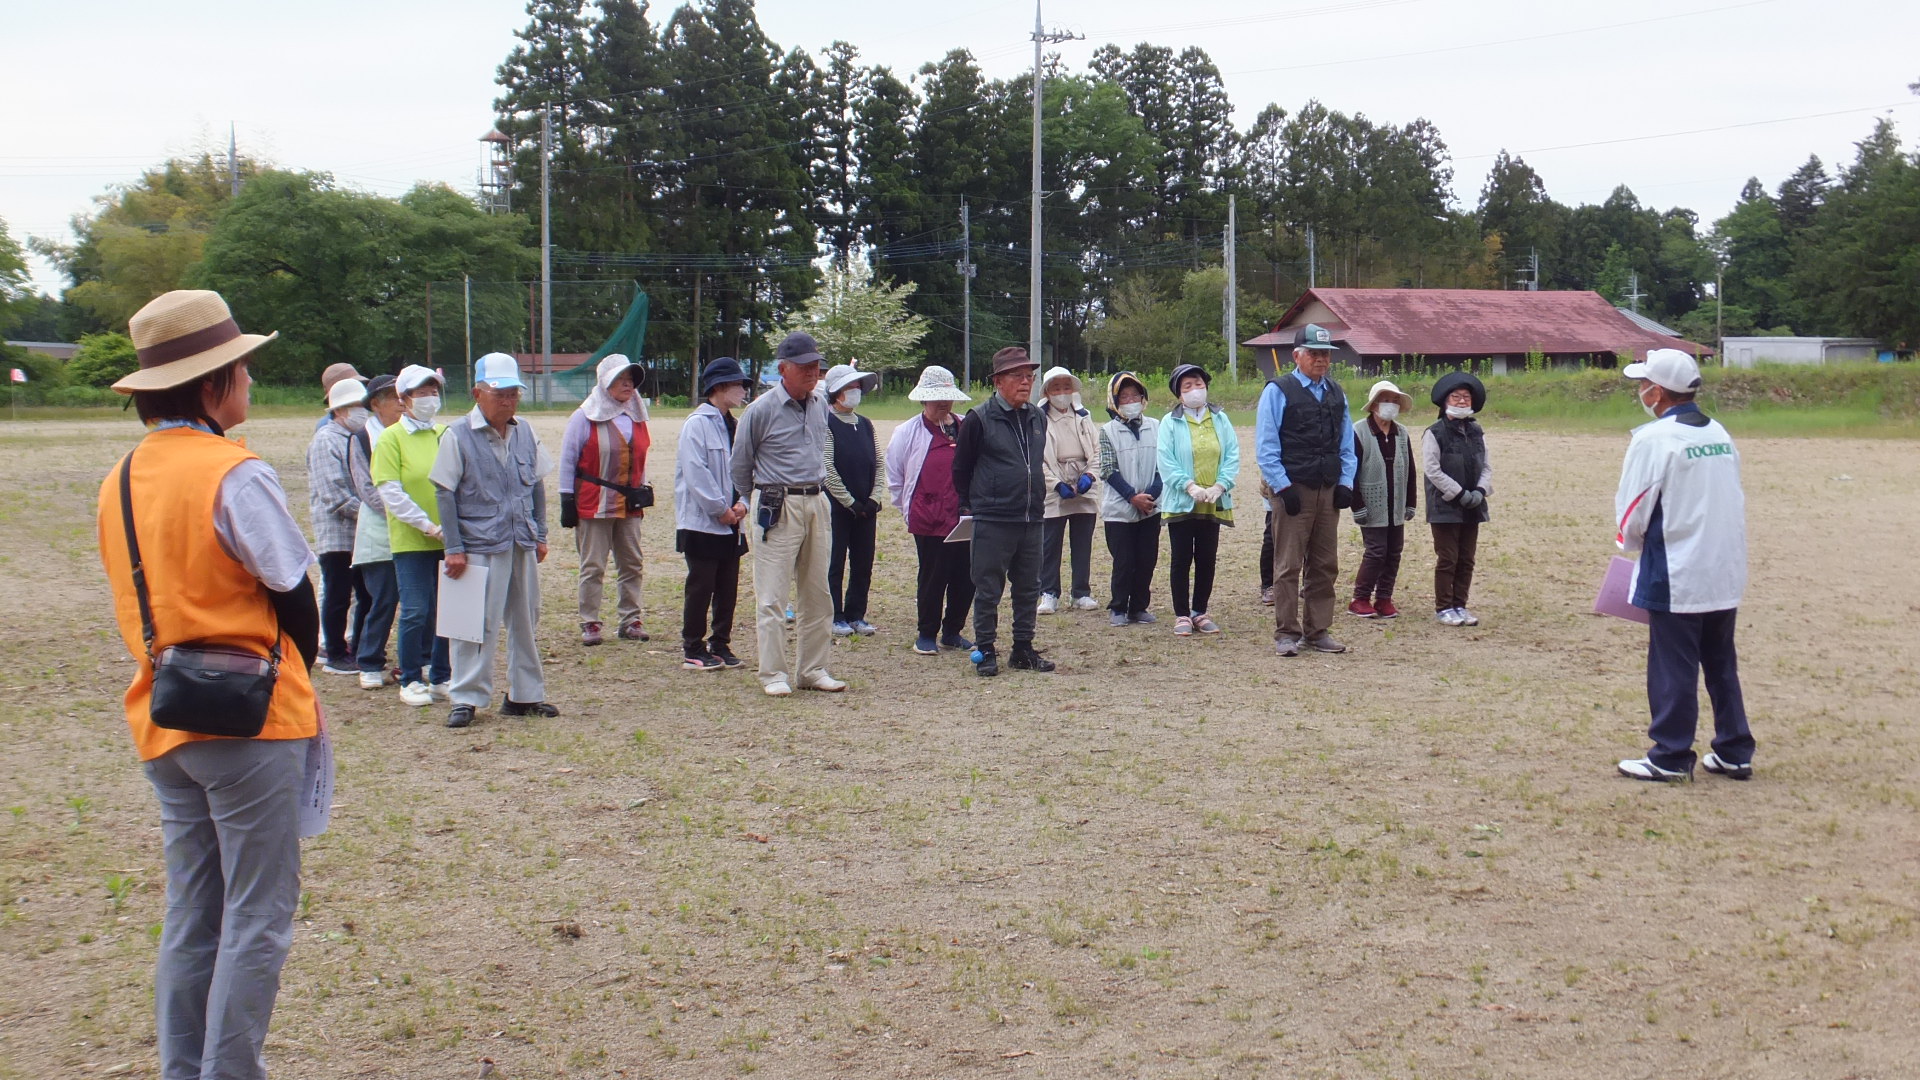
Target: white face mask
{"points": [[424, 409], [1651, 411], [850, 399], [1195, 399], [1131, 410], [1459, 412], [356, 419], [1063, 402], [1387, 410]]}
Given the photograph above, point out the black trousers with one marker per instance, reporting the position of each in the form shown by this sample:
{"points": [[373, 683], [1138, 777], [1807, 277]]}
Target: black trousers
{"points": [[1006, 558], [1380, 563], [341, 592], [713, 588], [852, 542], [946, 585], [1135, 547], [1454, 546], [1194, 544], [1679, 649], [1079, 529], [1266, 554]]}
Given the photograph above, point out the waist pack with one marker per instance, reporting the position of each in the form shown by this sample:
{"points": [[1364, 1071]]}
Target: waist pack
{"points": [[199, 687], [638, 498]]}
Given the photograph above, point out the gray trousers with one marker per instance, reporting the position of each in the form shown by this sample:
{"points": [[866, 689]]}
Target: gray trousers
{"points": [[229, 819], [513, 607], [596, 539], [1006, 558]]}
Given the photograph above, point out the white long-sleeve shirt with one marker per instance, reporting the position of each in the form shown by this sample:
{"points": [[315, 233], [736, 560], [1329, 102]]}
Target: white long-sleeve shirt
{"points": [[1681, 509]]}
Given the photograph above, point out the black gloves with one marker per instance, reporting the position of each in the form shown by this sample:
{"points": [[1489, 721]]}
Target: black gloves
{"points": [[1291, 500], [1342, 496], [867, 508], [569, 511]]}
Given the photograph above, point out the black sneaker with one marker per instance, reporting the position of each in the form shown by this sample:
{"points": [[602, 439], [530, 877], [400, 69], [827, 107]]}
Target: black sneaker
{"points": [[695, 660], [725, 655], [528, 708], [461, 716], [955, 641], [986, 663], [1025, 659]]}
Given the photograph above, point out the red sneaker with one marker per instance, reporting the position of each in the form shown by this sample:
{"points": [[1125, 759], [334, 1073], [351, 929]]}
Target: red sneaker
{"points": [[1361, 608], [1384, 608]]}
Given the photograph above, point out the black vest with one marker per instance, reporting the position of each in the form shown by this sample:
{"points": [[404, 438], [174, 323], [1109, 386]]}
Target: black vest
{"points": [[1463, 454], [1311, 432], [853, 456]]}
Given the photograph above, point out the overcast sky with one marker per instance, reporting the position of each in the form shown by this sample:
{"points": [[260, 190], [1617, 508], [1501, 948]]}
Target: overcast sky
{"points": [[384, 94]]}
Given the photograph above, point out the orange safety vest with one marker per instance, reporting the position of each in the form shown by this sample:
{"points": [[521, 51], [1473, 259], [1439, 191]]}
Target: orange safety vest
{"points": [[198, 591]]}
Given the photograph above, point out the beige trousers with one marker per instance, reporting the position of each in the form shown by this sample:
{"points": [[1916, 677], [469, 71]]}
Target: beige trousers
{"points": [[595, 539], [791, 561], [1306, 559]]}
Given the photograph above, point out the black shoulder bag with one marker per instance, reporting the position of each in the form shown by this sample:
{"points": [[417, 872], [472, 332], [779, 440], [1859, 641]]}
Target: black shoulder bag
{"points": [[202, 688]]}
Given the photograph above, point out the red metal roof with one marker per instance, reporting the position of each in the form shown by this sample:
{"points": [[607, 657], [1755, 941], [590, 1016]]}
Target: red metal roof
{"points": [[1473, 322]]}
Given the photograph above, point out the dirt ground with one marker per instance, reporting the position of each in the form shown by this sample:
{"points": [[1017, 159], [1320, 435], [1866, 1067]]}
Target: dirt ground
{"points": [[1173, 858]]}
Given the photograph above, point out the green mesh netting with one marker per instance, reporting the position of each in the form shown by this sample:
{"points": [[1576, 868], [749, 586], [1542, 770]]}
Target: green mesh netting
{"points": [[628, 339]]}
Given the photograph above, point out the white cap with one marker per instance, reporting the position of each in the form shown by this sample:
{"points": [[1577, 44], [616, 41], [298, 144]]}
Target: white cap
{"points": [[841, 376], [413, 377], [346, 392], [1668, 368], [498, 370]]}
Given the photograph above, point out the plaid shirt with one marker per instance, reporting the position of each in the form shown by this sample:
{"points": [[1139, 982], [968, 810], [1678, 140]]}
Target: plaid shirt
{"points": [[332, 505]]}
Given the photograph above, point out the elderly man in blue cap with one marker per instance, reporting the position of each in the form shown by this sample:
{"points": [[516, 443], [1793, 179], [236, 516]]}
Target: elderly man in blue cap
{"points": [[1303, 440], [780, 455], [489, 479]]}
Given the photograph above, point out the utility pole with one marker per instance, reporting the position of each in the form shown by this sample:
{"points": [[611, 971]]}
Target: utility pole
{"points": [[546, 247], [1313, 267], [233, 159], [1633, 291], [429, 324], [466, 297], [1041, 37], [1231, 318], [1719, 311], [967, 271]]}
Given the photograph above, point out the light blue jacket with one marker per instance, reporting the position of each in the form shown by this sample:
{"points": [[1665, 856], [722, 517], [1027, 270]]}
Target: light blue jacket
{"points": [[1176, 460]]}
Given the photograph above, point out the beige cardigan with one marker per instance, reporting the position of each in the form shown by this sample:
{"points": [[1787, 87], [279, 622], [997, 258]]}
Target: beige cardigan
{"points": [[1073, 447]]}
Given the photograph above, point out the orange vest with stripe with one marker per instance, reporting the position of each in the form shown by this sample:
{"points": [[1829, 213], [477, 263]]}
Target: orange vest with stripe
{"points": [[198, 592]]}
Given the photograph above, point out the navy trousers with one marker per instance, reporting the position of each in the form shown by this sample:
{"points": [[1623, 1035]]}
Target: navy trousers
{"points": [[1679, 649]]}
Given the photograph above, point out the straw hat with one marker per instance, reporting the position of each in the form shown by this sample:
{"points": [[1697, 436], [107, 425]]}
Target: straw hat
{"points": [[183, 335]]}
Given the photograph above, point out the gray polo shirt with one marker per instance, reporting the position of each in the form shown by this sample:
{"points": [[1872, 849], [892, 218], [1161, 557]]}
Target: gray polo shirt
{"points": [[781, 441]]}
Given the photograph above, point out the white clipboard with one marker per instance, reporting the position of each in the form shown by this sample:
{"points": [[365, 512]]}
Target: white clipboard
{"points": [[462, 613], [316, 784], [962, 532]]}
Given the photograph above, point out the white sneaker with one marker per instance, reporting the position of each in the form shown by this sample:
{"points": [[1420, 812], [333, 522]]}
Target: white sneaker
{"points": [[1086, 603], [825, 683], [1720, 766], [1049, 604], [1645, 769], [417, 694], [1467, 618], [777, 688], [1450, 617], [372, 680], [443, 691]]}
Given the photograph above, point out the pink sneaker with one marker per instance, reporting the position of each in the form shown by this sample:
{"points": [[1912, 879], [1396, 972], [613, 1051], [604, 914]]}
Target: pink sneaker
{"points": [[1183, 627], [590, 634]]}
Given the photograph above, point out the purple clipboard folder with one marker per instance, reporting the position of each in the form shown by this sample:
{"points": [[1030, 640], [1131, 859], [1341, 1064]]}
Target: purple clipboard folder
{"points": [[1616, 593]]}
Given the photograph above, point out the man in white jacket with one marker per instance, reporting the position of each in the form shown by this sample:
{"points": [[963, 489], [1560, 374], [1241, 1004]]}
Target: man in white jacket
{"points": [[1681, 510]]}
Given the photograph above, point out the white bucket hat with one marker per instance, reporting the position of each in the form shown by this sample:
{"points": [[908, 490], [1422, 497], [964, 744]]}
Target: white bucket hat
{"points": [[1385, 388], [936, 384], [346, 392]]}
